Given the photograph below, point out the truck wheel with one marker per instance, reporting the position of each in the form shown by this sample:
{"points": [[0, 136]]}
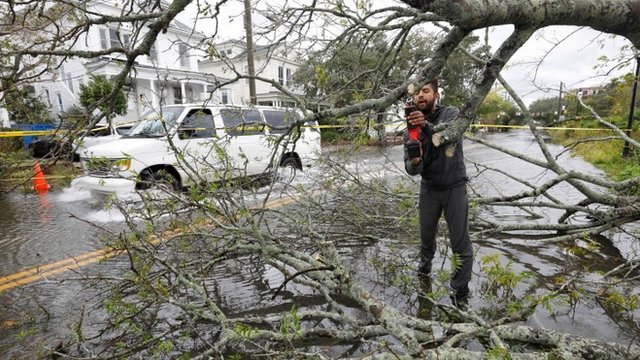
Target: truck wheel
{"points": [[160, 179], [288, 169]]}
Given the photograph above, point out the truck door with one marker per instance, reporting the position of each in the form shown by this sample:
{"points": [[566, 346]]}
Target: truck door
{"points": [[196, 146], [245, 140]]}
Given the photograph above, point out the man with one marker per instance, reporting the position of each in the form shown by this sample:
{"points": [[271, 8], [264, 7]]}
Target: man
{"points": [[442, 190]]}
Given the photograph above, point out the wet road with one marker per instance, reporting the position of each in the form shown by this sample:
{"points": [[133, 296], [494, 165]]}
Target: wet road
{"points": [[41, 229]]}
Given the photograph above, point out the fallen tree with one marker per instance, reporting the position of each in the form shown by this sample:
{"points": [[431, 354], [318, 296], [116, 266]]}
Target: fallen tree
{"points": [[172, 301]]}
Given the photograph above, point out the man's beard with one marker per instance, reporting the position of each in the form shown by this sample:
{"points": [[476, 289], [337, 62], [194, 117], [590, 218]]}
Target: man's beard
{"points": [[426, 106]]}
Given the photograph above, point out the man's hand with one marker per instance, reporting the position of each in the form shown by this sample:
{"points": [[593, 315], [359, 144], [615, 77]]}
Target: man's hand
{"points": [[416, 118]]}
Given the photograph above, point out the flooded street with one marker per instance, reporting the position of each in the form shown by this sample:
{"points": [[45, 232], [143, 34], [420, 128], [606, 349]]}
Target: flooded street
{"points": [[63, 224], [38, 229]]}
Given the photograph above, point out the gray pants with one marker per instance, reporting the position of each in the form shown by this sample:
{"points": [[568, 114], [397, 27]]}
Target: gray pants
{"points": [[455, 205]]}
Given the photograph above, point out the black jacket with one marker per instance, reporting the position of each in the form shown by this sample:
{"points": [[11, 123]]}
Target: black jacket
{"points": [[438, 171]]}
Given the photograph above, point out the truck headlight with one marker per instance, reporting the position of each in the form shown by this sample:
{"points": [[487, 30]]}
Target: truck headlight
{"points": [[121, 164]]}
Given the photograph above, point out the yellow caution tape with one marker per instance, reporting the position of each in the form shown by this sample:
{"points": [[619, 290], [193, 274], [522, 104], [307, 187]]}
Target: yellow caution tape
{"points": [[539, 127], [47, 177], [260, 127], [26, 133]]}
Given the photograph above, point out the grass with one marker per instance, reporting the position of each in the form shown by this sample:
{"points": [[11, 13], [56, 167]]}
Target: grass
{"points": [[17, 171], [606, 155]]}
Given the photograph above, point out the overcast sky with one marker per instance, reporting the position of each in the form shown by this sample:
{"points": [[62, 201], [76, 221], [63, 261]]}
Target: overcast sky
{"points": [[572, 54], [563, 54]]}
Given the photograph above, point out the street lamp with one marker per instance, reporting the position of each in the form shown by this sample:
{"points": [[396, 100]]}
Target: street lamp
{"points": [[625, 150]]}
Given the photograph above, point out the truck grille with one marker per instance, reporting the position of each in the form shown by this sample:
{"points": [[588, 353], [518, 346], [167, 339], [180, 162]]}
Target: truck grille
{"points": [[98, 167]]}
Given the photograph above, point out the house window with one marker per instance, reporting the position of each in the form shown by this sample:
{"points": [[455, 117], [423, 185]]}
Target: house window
{"points": [[47, 96], [112, 38], [177, 95], [183, 55], [60, 102], [281, 75], [104, 39], [225, 96], [66, 77], [288, 78], [229, 51]]}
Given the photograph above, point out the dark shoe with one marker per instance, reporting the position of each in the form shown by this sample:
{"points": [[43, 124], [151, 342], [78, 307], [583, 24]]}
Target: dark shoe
{"points": [[424, 270], [425, 279]]}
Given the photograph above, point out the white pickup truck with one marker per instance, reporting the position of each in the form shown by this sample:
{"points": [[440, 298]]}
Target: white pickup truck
{"points": [[189, 144]]}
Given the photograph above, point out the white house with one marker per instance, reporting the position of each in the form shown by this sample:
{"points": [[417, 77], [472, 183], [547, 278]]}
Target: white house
{"points": [[273, 63], [168, 75]]}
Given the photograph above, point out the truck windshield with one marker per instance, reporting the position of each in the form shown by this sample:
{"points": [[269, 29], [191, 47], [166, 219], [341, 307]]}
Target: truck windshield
{"points": [[156, 123]]}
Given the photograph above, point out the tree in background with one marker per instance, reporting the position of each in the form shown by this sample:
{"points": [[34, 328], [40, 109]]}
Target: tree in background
{"points": [[24, 107], [611, 102], [545, 109], [461, 72], [366, 67], [619, 96], [98, 92], [353, 69], [496, 110], [602, 102]]}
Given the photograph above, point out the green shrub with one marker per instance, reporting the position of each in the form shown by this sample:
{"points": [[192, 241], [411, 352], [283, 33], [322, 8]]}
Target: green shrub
{"points": [[12, 170], [10, 144]]}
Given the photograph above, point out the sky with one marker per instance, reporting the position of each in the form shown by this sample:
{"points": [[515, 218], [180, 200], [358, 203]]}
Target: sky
{"points": [[566, 54], [572, 54]]}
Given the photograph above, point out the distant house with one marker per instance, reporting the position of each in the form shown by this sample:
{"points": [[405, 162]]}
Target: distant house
{"points": [[588, 91], [271, 62], [168, 75]]}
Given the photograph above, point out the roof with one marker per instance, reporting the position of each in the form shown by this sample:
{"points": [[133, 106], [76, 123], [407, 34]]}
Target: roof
{"points": [[179, 25]]}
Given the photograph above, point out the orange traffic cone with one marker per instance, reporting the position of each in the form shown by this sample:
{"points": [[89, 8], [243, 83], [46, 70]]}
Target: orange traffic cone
{"points": [[39, 182]]}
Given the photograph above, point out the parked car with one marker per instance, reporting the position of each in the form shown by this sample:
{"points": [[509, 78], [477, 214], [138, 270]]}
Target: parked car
{"points": [[59, 144], [49, 146], [185, 144]]}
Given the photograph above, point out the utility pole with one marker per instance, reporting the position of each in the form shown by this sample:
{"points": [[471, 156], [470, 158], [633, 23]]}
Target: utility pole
{"points": [[248, 25], [578, 97], [625, 150], [560, 102]]}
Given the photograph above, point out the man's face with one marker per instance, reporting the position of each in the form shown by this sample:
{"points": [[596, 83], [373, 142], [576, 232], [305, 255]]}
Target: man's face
{"points": [[426, 98]]}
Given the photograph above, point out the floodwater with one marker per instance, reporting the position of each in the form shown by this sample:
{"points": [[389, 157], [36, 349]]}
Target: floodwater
{"points": [[41, 229]]}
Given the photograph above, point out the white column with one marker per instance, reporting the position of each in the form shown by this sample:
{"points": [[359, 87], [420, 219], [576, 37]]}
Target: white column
{"points": [[183, 89], [154, 95], [137, 99]]}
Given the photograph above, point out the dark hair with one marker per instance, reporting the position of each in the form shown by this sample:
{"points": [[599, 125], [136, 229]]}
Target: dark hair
{"points": [[412, 87], [434, 84]]}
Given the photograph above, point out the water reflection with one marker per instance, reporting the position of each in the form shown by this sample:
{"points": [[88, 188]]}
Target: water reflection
{"points": [[37, 229], [44, 208]]}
